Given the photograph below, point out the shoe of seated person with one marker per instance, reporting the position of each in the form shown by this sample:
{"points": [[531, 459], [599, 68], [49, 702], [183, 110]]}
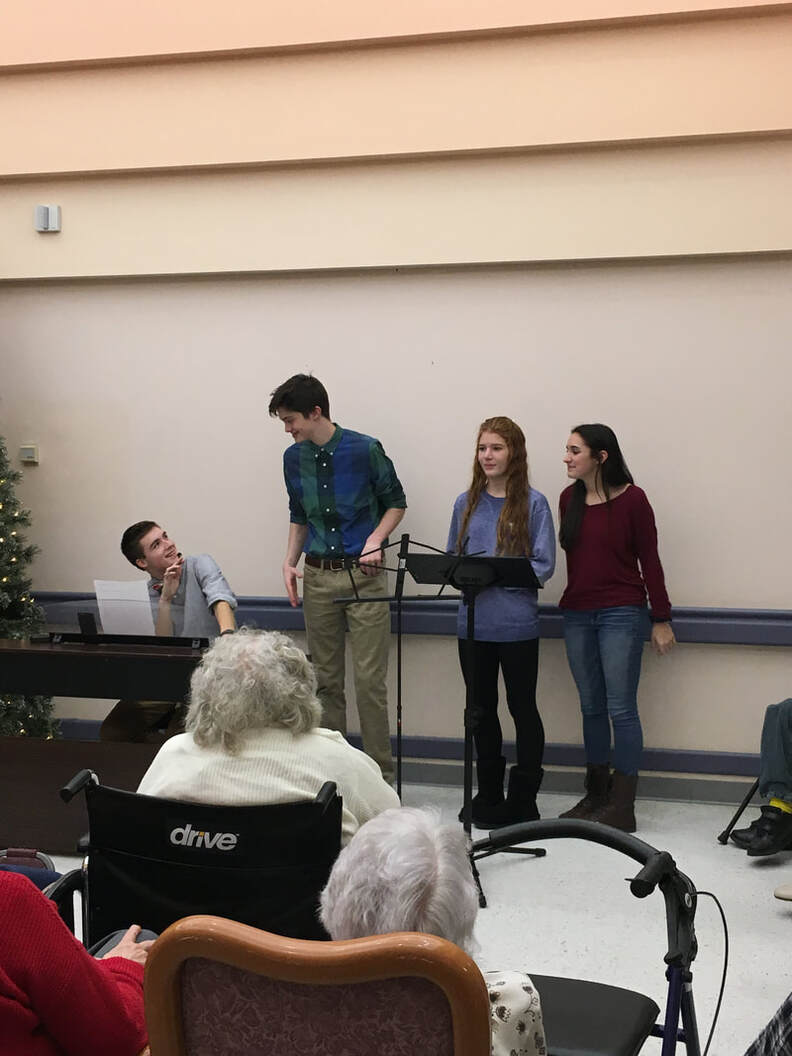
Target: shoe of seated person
{"points": [[784, 892], [773, 834], [743, 837]]}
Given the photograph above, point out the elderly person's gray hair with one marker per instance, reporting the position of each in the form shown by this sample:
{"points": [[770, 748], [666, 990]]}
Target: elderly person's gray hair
{"points": [[403, 871], [249, 681]]}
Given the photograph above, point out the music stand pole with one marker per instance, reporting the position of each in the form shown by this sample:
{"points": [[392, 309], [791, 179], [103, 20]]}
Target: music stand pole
{"points": [[404, 549], [470, 721]]}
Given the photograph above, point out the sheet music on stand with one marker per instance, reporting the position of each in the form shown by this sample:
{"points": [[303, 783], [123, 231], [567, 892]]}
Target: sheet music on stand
{"points": [[124, 606]]}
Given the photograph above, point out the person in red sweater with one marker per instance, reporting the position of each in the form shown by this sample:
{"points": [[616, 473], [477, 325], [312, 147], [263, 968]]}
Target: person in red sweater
{"points": [[608, 534], [55, 998]]}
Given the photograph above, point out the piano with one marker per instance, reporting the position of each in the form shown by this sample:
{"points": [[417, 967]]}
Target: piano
{"points": [[127, 667], [75, 665]]}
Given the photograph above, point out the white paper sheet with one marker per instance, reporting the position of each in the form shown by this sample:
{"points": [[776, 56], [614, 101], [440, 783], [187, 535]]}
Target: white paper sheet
{"points": [[124, 607]]}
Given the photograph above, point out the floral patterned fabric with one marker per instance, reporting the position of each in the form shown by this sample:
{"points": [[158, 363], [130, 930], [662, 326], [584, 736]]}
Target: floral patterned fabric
{"points": [[517, 1028], [227, 1012]]}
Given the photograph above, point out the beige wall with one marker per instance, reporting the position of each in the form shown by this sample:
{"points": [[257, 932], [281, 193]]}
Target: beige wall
{"points": [[596, 195], [681, 200], [149, 399], [45, 31], [629, 139], [646, 82]]}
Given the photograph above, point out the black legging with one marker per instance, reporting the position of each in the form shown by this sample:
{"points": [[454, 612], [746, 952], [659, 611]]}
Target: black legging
{"points": [[519, 663]]}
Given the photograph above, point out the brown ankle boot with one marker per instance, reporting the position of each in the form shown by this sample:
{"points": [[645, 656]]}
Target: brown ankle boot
{"points": [[619, 811], [597, 782]]}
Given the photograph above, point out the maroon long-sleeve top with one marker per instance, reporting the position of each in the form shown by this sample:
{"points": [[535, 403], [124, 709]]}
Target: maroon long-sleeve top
{"points": [[603, 567], [55, 998]]}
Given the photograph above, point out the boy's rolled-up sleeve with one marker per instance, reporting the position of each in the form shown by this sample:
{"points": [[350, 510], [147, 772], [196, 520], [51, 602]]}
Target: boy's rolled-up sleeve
{"points": [[212, 581]]}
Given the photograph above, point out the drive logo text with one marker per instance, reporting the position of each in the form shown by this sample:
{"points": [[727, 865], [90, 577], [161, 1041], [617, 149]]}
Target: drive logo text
{"points": [[187, 836]]}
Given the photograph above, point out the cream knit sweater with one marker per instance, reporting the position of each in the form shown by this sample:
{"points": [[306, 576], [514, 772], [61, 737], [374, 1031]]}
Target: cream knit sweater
{"points": [[272, 766]]}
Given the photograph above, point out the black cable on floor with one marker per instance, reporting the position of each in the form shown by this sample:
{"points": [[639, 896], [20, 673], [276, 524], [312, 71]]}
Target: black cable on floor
{"points": [[725, 965]]}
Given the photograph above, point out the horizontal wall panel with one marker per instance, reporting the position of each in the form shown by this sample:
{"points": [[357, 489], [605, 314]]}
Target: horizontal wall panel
{"points": [[48, 31], [701, 626], [587, 86], [726, 197], [440, 749]]}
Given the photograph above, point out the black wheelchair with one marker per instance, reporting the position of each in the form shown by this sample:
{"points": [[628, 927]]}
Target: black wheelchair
{"points": [[151, 861]]}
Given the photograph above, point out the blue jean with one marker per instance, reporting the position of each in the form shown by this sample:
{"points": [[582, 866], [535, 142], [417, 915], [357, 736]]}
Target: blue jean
{"points": [[604, 649], [775, 761], [41, 877]]}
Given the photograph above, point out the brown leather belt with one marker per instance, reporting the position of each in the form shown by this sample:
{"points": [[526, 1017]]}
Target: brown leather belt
{"points": [[331, 564]]}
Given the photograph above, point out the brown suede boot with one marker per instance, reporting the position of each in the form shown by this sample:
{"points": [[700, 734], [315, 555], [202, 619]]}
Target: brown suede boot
{"points": [[619, 811], [596, 783]]}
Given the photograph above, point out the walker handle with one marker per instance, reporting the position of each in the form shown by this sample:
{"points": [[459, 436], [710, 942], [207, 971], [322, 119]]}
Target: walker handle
{"points": [[659, 865]]}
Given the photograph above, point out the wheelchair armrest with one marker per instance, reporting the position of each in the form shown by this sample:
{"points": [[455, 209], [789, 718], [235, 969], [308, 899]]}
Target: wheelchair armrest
{"points": [[324, 796], [28, 857], [61, 892]]}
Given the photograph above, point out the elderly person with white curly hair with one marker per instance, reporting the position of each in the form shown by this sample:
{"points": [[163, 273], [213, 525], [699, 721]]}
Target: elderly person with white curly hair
{"points": [[406, 871], [253, 736]]}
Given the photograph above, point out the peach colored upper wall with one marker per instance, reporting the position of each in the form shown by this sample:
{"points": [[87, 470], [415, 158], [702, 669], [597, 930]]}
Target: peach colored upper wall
{"points": [[583, 86], [720, 197], [50, 31]]}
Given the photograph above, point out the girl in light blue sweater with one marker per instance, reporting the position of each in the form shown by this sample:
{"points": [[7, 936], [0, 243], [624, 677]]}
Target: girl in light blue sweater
{"points": [[501, 514]]}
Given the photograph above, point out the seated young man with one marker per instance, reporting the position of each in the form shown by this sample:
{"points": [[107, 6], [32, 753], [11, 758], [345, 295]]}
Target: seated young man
{"points": [[190, 598]]}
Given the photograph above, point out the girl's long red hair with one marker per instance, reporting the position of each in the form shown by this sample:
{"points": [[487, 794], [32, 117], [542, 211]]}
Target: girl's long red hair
{"points": [[513, 535]]}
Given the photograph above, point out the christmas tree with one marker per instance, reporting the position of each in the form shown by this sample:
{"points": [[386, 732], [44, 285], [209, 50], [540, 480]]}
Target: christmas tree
{"points": [[20, 616]]}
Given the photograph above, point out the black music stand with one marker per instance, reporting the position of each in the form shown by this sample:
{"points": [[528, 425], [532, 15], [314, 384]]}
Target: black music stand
{"points": [[351, 562], [471, 575]]}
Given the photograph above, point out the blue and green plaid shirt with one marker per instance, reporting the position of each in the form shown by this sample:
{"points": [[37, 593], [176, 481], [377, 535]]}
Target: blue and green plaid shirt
{"points": [[341, 491]]}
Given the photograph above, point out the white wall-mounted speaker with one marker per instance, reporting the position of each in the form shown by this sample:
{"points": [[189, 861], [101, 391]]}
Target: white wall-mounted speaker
{"points": [[48, 217]]}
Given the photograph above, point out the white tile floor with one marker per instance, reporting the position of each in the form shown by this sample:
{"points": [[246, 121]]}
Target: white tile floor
{"points": [[572, 914]]}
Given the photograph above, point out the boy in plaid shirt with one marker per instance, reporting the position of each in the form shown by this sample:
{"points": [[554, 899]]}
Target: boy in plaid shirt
{"points": [[344, 501]]}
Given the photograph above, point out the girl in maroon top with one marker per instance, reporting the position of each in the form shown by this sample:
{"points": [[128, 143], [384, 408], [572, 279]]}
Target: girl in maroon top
{"points": [[608, 534]]}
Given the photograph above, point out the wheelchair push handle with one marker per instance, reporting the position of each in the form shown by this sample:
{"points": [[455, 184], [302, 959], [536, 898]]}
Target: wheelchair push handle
{"points": [[81, 780], [659, 865]]}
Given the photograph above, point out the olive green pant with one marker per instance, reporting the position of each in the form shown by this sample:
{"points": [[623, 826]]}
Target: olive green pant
{"points": [[326, 624]]}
